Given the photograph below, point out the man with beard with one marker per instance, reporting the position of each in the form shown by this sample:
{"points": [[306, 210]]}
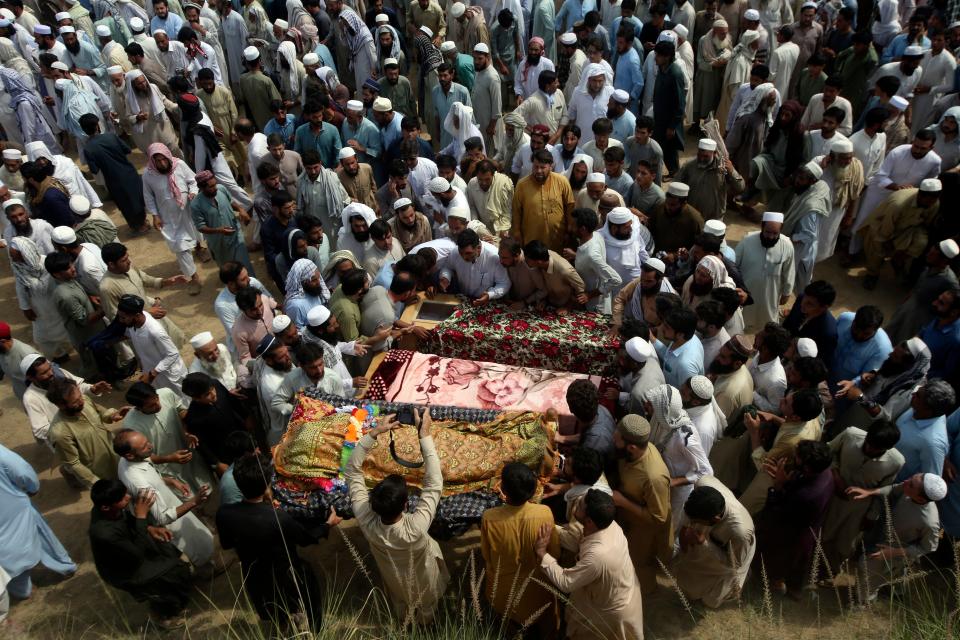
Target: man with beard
{"points": [[732, 382], [397, 89], [639, 370], [254, 322], [808, 209], [542, 203], [40, 373], [357, 177], [440, 198], [219, 218], [637, 300], [916, 311], [21, 224], [215, 412], [486, 96], [546, 106], [844, 175], [590, 100], [81, 435], [570, 63], [317, 135], [46, 42], [700, 405], [310, 374], [81, 318], [525, 281], [490, 197], [155, 71], [305, 290], [213, 359], [527, 79], [713, 52], [320, 194], [82, 56], [159, 358], [900, 223], [397, 186], [595, 193], [942, 335], [765, 258], [408, 226], [354, 234], [271, 365], [712, 180], [624, 122], [566, 152], [674, 224], [444, 95], [360, 134], [323, 329]]}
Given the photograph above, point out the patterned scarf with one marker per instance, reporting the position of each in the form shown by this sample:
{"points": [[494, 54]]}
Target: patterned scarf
{"points": [[158, 148]]}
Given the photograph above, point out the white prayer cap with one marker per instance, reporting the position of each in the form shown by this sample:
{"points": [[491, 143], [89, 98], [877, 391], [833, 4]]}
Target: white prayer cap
{"points": [[913, 51], [813, 168], [720, 23], [80, 205], [949, 249], [707, 144], [447, 46], [283, 25], [391, 62], [318, 315], [354, 105], [898, 102], [656, 264], [808, 5], [931, 185], [954, 25], [103, 31], [401, 203], [310, 59], [481, 47], [597, 177], [42, 30], [4, 22], [751, 14], [63, 235], [915, 345], [681, 31], [6, 13], [678, 189], [772, 216], [381, 17], [568, 38], [382, 105], [807, 348], [934, 488], [640, 350], [60, 66], [457, 10], [461, 212], [202, 339], [69, 29], [136, 23], [424, 28], [163, 31], [63, 15], [715, 228], [280, 324], [841, 145], [346, 152], [438, 185], [621, 96], [249, 54], [61, 84], [11, 154], [701, 387], [114, 70], [28, 361], [11, 202], [619, 215], [667, 36]]}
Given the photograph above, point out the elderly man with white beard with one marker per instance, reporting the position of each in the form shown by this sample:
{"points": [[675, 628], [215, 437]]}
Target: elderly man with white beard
{"points": [[843, 174], [590, 99], [626, 247], [146, 114], [213, 359]]}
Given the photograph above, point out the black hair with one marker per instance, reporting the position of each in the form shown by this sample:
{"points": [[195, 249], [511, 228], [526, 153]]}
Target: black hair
{"points": [[644, 122], [230, 271], [712, 312], [786, 31], [267, 170], [890, 85], [311, 157], [665, 302], [252, 473], [587, 218], [811, 369], [836, 113], [883, 434], [379, 229], [89, 123], [682, 320], [536, 250], [613, 154], [600, 508], [709, 243], [517, 482], [398, 169], [821, 291], [308, 352], [926, 135], [574, 129], [139, 393], [776, 339], [807, 404], [196, 384], [445, 161], [814, 455], [106, 493], [112, 251], [468, 238], [402, 283], [247, 298], [704, 504], [352, 281], [634, 328], [761, 71], [205, 74], [876, 115], [834, 81], [546, 77], [57, 262], [587, 466], [583, 399], [121, 442], [389, 498], [542, 156], [602, 126], [868, 316], [728, 297]]}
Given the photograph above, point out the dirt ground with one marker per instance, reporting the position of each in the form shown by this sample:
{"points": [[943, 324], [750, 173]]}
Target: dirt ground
{"points": [[82, 606]]}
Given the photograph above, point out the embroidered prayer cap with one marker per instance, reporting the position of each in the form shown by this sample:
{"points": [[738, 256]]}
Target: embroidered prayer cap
{"points": [[164, 32], [103, 31], [640, 350], [913, 51], [701, 387], [136, 24], [656, 264], [841, 145], [381, 17], [280, 324], [740, 345], [720, 23], [267, 344], [401, 203], [69, 29], [424, 28], [80, 205], [63, 235], [203, 177], [448, 46], [667, 36], [949, 249], [249, 54], [346, 152], [42, 30], [63, 15], [28, 361], [807, 348], [382, 105], [915, 346], [457, 10], [481, 47], [621, 96], [568, 38], [318, 315], [715, 228], [813, 168], [12, 154], [460, 212], [283, 25], [6, 13], [808, 5], [751, 15], [540, 129], [634, 429], [130, 303], [597, 177], [678, 189], [391, 62], [354, 105], [772, 216], [60, 66], [12, 202], [934, 488], [114, 70], [619, 215], [4, 331], [899, 103], [202, 339], [707, 144], [931, 185], [438, 185], [681, 31], [311, 59]]}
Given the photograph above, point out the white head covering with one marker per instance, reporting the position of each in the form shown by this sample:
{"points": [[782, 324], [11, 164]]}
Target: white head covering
{"points": [[281, 322], [934, 487], [913, 51], [63, 235], [63, 15], [949, 248], [38, 149], [752, 102], [448, 46], [931, 185], [841, 145], [640, 350], [707, 144], [27, 361], [288, 51], [678, 189], [400, 203], [715, 227], [621, 96], [136, 24], [424, 28], [751, 15], [69, 29], [103, 31], [703, 389], [249, 54], [656, 264], [355, 209], [438, 184], [667, 36], [311, 59], [593, 70], [916, 346], [620, 215], [807, 348], [11, 154], [60, 66], [157, 110], [283, 25], [318, 315], [80, 205], [457, 9], [301, 271], [461, 212], [481, 47], [681, 31], [463, 131], [346, 152], [568, 38], [202, 339], [814, 169], [42, 30], [114, 70], [587, 160], [899, 102], [382, 105], [596, 176], [772, 216]]}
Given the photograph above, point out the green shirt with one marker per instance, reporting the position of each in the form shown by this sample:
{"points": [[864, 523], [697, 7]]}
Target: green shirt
{"points": [[84, 442], [347, 312], [257, 91]]}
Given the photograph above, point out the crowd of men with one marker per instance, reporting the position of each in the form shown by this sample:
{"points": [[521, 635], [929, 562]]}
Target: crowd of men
{"points": [[578, 155]]}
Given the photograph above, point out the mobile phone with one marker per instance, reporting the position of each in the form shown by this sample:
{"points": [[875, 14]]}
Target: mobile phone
{"points": [[405, 415]]}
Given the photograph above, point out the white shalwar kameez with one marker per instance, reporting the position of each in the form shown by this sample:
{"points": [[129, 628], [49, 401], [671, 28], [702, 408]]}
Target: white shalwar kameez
{"points": [[938, 75], [591, 263], [219, 167], [66, 171], [156, 352], [768, 274], [625, 256], [178, 228]]}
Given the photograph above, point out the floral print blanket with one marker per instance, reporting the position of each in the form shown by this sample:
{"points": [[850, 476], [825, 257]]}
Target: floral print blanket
{"points": [[575, 342], [421, 378]]}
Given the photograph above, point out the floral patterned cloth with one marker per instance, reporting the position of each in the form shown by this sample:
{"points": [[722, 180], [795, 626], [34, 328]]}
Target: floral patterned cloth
{"points": [[494, 333]]}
